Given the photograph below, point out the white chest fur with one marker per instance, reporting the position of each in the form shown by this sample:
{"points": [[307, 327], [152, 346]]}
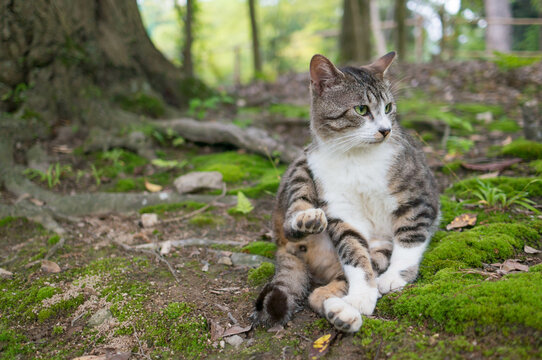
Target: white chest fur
{"points": [[355, 187]]}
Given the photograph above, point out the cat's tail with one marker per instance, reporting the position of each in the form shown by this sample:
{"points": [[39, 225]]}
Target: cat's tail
{"points": [[285, 293]]}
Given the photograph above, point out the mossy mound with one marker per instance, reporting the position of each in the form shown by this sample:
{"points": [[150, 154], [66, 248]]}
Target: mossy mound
{"points": [[263, 248], [456, 302], [525, 149], [505, 183], [261, 274], [505, 125], [472, 248], [251, 174], [536, 166]]}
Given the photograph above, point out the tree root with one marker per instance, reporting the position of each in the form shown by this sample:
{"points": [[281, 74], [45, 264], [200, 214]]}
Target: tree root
{"points": [[252, 139], [189, 242]]}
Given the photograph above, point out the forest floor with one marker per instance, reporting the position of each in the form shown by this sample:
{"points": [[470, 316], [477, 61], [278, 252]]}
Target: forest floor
{"points": [[112, 286]]}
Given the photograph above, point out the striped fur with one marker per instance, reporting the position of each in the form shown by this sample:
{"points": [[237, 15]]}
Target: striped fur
{"points": [[356, 211]]}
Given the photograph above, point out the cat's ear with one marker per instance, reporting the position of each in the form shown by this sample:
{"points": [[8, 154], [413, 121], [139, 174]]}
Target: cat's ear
{"points": [[380, 66], [323, 73]]}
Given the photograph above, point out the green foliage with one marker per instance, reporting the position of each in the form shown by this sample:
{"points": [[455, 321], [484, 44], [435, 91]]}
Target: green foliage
{"points": [[458, 145], [115, 161], [290, 111], [244, 206], [200, 107], [505, 125], [510, 61], [141, 103], [169, 164], [505, 183], [51, 176], [126, 185], [206, 220], [451, 167], [418, 109], [53, 240], [164, 208], [13, 345], [7, 221], [536, 166], [17, 95], [263, 248], [525, 149], [176, 310], [495, 198], [46, 292], [261, 274]]}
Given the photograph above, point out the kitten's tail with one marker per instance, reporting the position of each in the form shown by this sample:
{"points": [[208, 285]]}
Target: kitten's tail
{"points": [[284, 294]]}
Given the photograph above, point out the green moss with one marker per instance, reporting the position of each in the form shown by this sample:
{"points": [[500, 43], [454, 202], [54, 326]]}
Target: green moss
{"points": [[57, 330], [505, 125], [473, 109], [507, 184], [536, 166], [177, 309], [164, 208], [525, 149], [13, 345], [251, 174], [46, 292], [263, 248], [141, 103], [7, 221], [472, 248], [128, 184], [261, 274], [456, 302], [206, 220], [452, 167], [290, 111], [53, 240]]}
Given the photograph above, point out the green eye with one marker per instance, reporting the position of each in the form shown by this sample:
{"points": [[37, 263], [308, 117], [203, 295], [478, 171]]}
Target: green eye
{"points": [[388, 108], [362, 109]]}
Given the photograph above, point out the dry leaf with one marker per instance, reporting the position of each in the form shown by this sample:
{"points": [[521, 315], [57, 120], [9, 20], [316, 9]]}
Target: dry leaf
{"points": [[37, 202], [490, 175], [492, 166], [152, 187], [4, 274], [320, 346], [506, 141], [530, 250], [512, 265], [234, 330], [217, 331], [50, 267], [462, 221]]}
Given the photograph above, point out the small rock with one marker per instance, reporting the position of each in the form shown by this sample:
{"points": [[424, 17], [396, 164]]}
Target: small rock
{"points": [[486, 117], [50, 267], [166, 247], [149, 220], [99, 317], [205, 267], [234, 340], [275, 329], [222, 344], [224, 260], [199, 180], [241, 259], [4, 274]]}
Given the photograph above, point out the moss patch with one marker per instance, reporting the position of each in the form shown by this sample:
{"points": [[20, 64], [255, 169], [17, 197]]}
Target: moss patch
{"points": [[290, 111], [507, 184], [525, 149], [206, 220], [263, 248], [536, 166], [141, 103], [261, 274]]}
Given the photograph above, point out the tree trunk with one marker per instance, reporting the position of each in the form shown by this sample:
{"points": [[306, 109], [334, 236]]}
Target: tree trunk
{"points": [[48, 48], [498, 36], [400, 30], [355, 37], [255, 39], [188, 68], [376, 27]]}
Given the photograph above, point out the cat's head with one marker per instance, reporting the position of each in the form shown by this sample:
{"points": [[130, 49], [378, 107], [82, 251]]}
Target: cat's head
{"points": [[351, 107]]}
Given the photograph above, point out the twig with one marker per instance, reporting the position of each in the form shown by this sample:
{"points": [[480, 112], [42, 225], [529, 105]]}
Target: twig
{"points": [[140, 353], [234, 320], [150, 252], [379, 348], [200, 210]]}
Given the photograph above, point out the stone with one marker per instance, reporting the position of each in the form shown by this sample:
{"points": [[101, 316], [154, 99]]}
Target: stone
{"points": [[50, 267], [4, 274], [149, 220], [99, 317], [198, 181], [234, 340], [225, 260], [241, 259]]}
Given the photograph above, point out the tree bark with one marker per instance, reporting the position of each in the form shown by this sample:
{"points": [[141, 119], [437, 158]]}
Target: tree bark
{"points": [[188, 67], [48, 48], [498, 36], [355, 37], [380, 41], [400, 31], [255, 39]]}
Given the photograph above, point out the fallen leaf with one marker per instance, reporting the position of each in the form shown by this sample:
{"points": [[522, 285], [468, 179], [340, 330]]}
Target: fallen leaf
{"points": [[506, 141], [50, 267], [217, 331], [320, 346], [490, 175], [462, 221], [152, 187], [37, 202], [492, 166], [234, 330], [512, 265], [4, 274], [530, 250]]}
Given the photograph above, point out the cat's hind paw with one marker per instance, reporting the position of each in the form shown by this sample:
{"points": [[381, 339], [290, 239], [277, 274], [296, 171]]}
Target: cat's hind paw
{"points": [[310, 221], [390, 281], [342, 315]]}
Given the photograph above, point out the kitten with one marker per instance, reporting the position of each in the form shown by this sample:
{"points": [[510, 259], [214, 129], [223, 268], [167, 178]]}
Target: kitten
{"points": [[356, 211]]}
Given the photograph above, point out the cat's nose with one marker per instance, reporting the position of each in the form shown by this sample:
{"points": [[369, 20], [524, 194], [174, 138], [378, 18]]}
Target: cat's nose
{"points": [[384, 132]]}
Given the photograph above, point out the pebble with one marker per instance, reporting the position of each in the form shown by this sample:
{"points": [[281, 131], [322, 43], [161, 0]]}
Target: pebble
{"points": [[225, 260], [149, 220], [234, 340], [99, 317], [197, 181], [50, 267]]}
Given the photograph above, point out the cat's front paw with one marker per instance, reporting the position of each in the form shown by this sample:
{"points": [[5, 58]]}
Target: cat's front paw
{"points": [[390, 281], [342, 315], [365, 303], [310, 221]]}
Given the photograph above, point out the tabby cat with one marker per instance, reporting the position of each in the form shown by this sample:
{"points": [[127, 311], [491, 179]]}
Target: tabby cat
{"points": [[356, 211]]}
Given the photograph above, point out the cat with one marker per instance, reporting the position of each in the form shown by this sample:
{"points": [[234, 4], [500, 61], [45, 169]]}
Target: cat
{"points": [[356, 211]]}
